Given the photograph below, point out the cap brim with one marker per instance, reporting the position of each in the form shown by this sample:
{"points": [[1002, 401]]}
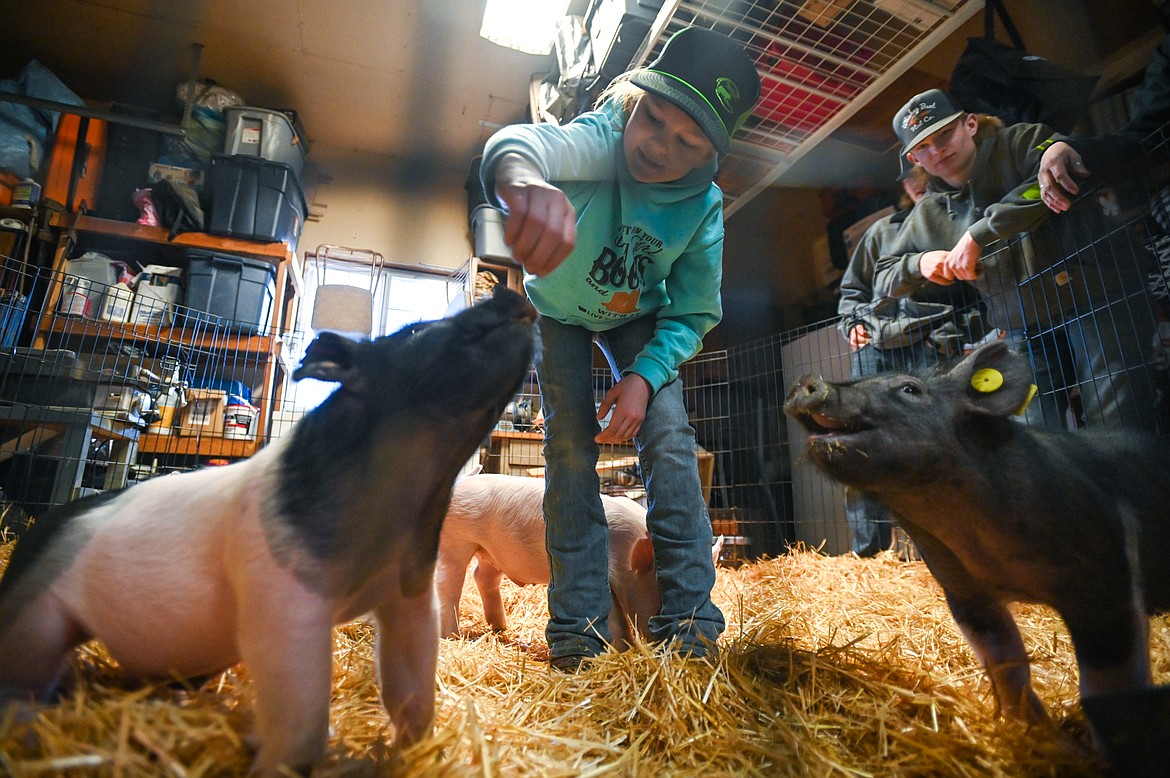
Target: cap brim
{"points": [[689, 100], [933, 129]]}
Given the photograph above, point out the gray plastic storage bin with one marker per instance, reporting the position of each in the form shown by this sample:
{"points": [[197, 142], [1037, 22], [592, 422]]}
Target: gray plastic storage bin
{"points": [[259, 132], [239, 289]]}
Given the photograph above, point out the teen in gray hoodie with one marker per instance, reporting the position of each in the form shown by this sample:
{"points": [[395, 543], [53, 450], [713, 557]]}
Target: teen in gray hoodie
{"points": [[1071, 289]]}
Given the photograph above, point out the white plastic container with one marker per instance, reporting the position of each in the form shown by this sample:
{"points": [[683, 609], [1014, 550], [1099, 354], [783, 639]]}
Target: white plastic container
{"points": [[238, 420], [75, 297], [85, 284], [487, 225], [118, 302], [158, 289], [259, 132]]}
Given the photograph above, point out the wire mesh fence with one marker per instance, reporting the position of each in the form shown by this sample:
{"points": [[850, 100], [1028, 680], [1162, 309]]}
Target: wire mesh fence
{"points": [[1085, 296], [89, 403], [95, 398]]}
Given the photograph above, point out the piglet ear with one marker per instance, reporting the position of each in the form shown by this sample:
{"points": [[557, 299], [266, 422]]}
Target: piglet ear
{"points": [[994, 380], [330, 357], [642, 555]]}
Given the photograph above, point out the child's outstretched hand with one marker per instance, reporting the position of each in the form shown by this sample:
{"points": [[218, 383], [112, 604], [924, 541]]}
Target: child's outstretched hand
{"points": [[628, 398], [541, 226]]}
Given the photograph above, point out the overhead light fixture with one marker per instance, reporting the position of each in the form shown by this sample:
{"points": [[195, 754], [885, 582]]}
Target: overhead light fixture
{"points": [[523, 25]]}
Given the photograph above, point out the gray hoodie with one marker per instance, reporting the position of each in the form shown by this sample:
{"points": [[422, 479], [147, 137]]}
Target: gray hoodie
{"points": [[1025, 281]]}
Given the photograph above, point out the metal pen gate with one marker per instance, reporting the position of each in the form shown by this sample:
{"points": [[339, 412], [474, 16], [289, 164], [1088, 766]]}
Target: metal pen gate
{"points": [[1115, 243]]}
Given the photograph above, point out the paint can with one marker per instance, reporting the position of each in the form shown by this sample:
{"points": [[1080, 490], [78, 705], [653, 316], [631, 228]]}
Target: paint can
{"points": [[237, 421]]}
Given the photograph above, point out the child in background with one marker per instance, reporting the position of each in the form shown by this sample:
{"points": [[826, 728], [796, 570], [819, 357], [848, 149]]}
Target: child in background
{"points": [[886, 333], [618, 223]]}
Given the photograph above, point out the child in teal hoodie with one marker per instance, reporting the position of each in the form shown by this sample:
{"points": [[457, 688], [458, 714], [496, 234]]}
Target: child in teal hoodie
{"points": [[618, 223]]}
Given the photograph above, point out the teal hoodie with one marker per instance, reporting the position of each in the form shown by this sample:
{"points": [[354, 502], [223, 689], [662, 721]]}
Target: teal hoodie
{"points": [[642, 249]]}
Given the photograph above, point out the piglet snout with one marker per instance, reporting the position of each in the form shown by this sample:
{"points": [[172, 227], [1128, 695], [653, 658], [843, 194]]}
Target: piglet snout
{"points": [[809, 392], [521, 308]]}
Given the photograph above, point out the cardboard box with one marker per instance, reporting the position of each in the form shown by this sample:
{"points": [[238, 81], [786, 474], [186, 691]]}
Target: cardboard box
{"points": [[725, 521], [183, 175], [118, 400], [203, 414], [823, 12]]}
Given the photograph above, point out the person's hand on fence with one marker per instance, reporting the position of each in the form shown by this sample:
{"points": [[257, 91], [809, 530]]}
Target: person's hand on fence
{"points": [[962, 261], [1060, 168], [933, 265], [859, 337]]}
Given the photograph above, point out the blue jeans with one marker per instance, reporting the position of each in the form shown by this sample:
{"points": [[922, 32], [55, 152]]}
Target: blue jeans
{"points": [[870, 524], [579, 598], [1107, 356]]}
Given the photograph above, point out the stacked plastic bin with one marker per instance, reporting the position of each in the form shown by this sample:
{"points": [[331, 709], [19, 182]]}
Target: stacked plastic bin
{"points": [[241, 290], [255, 188], [254, 192]]}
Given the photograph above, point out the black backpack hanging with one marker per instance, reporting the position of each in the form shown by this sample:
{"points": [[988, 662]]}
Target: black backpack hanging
{"points": [[1008, 82]]}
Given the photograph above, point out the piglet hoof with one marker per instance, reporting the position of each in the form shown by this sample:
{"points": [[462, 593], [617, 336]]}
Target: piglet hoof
{"points": [[19, 713], [409, 733], [413, 719], [1027, 710], [1131, 728]]}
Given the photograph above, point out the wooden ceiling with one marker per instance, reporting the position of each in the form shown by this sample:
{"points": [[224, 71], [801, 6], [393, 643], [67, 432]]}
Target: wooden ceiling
{"points": [[411, 80]]}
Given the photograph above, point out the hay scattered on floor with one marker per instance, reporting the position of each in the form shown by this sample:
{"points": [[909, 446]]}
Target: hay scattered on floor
{"points": [[829, 666]]}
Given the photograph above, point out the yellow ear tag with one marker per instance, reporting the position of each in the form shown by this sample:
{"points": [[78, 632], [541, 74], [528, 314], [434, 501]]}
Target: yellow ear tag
{"points": [[1024, 407], [987, 380]]}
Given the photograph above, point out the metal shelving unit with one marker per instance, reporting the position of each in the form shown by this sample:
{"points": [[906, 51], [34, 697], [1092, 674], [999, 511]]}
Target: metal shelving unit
{"points": [[820, 61]]}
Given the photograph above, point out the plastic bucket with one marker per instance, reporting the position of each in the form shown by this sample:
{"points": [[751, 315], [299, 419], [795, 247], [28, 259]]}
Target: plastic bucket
{"points": [[238, 421]]}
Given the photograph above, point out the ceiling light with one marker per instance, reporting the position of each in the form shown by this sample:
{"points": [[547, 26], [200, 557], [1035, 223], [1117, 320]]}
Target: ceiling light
{"points": [[524, 25]]}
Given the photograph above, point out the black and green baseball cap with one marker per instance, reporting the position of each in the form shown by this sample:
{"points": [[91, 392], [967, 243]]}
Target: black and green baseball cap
{"points": [[709, 76]]}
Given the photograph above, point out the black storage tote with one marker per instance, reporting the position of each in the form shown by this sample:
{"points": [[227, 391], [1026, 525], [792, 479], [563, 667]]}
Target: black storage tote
{"points": [[241, 290], [256, 199]]}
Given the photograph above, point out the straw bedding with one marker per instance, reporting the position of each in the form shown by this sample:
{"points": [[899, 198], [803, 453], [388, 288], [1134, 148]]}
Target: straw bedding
{"points": [[830, 666]]}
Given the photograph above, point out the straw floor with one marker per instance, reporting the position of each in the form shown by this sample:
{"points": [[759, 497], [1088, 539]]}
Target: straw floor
{"points": [[830, 666]]}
